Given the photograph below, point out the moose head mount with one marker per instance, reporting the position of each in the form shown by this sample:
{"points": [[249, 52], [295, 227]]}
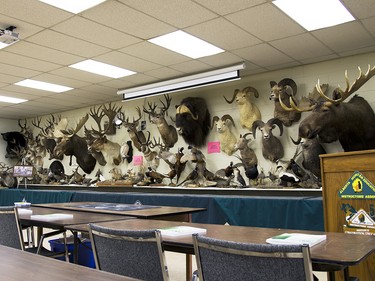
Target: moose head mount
{"points": [[351, 123]]}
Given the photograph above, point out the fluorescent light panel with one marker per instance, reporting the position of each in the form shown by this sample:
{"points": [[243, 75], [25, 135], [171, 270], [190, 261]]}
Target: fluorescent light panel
{"points": [[184, 83], [315, 14], [102, 69], [11, 100], [43, 86], [186, 44], [73, 6]]}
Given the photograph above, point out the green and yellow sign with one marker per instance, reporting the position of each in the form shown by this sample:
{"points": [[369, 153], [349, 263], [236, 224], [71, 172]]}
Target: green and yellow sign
{"points": [[357, 187]]}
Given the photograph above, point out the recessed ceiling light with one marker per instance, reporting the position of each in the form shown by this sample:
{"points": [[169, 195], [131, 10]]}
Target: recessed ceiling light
{"points": [[73, 6], [43, 86], [102, 69], [11, 100], [315, 14], [186, 44]]}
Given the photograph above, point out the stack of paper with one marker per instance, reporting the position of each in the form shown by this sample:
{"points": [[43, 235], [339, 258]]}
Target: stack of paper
{"points": [[296, 238], [51, 217], [178, 231]]}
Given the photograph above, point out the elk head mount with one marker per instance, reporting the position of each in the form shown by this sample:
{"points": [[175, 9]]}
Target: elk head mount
{"points": [[351, 123]]}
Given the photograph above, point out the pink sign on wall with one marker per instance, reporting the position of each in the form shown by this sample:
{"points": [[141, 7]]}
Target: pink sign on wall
{"points": [[213, 147], [137, 160]]}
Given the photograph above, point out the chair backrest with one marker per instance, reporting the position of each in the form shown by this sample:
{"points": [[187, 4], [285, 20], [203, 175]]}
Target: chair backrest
{"points": [[9, 228], [227, 260], [134, 253]]}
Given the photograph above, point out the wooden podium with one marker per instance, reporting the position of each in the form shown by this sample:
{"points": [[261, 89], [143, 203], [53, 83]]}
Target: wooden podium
{"points": [[337, 169]]}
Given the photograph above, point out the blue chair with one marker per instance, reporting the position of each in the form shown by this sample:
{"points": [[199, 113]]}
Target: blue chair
{"points": [[134, 253], [227, 260], [11, 235]]}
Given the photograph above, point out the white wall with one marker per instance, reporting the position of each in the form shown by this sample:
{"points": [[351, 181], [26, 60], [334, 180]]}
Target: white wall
{"points": [[306, 77]]}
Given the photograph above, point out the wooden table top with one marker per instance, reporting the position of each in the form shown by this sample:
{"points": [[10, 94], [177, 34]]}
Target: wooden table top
{"points": [[17, 265], [77, 217], [338, 248], [152, 212]]}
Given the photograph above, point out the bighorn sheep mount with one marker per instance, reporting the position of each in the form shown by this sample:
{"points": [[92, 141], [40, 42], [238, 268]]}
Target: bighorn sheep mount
{"points": [[351, 123], [272, 149], [285, 90], [226, 137], [249, 112]]}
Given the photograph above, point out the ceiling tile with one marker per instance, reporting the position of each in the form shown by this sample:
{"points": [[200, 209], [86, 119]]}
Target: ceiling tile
{"points": [[73, 83], [370, 25], [43, 53], [154, 53], [34, 12], [8, 79], [164, 73], [224, 7], [177, 13], [191, 67], [292, 47], [230, 37], [17, 71], [68, 44], [26, 62], [222, 59], [96, 33], [360, 9], [337, 38], [127, 61], [263, 55], [266, 22], [123, 18], [80, 75]]}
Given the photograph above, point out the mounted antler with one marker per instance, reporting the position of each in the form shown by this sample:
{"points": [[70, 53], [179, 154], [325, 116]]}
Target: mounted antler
{"points": [[350, 89]]}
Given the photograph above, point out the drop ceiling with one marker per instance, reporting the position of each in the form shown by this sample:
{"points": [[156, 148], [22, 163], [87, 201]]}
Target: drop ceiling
{"points": [[116, 32]]}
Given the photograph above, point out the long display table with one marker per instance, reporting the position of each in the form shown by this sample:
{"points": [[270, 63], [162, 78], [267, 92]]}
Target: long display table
{"points": [[292, 212]]}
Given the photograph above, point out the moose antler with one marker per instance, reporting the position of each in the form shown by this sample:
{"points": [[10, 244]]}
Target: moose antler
{"points": [[342, 95], [350, 89]]}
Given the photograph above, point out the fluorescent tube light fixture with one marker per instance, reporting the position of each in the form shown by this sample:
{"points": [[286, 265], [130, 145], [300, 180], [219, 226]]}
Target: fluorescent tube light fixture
{"points": [[188, 82], [11, 100], [73, 6], [186, 44], [315, 14], [102, 69], [43, 86]]}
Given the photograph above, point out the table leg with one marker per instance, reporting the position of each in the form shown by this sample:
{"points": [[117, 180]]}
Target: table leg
{"points": [[75, 244], [189, 267]]}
